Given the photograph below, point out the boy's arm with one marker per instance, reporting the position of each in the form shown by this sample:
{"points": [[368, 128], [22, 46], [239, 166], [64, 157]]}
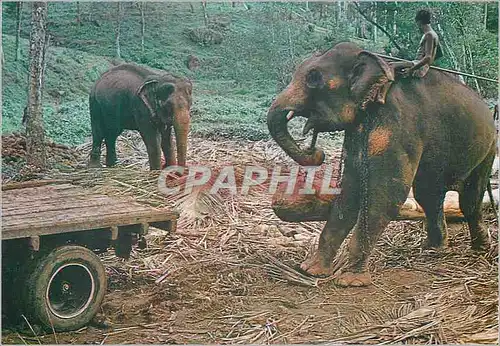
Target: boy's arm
{"points": [[428, 49]]}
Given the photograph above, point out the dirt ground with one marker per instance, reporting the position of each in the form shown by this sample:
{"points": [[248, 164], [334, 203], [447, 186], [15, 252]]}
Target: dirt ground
{"points": [[228, 275]]}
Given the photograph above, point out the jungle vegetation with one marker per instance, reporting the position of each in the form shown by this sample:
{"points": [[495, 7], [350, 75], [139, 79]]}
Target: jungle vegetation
{"points": [[238, 54]]}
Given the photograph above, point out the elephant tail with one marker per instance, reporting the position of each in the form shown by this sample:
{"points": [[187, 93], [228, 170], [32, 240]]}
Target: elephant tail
{"points": [[490, 194], [96, 117]]}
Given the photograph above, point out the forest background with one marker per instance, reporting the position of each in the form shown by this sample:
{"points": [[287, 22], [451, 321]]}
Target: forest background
{"points": [[239, 55]]}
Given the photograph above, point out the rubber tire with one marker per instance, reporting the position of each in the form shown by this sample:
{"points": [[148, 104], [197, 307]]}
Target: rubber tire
{"points": [[36, 304]]}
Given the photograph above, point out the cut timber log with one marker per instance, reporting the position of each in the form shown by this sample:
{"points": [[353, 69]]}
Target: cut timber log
{"points": [[304, 208]]}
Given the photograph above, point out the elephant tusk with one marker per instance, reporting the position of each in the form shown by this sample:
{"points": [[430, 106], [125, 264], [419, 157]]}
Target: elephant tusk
{"points": [[307, 127], [290, 115], [314, 139]]}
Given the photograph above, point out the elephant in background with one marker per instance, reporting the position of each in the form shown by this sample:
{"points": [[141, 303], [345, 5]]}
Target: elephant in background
{"points": [[133, 97], [433, 134]]}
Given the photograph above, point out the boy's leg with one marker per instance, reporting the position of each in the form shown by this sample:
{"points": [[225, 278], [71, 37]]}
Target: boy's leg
{"points": [[397, 67]]}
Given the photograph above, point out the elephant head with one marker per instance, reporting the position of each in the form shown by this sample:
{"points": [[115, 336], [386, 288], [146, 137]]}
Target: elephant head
{"points": [[168, 99], [331, 90]]}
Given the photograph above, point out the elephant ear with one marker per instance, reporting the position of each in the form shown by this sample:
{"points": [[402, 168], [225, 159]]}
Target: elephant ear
{"points": [[147, 93], [367, 79], [164, 90]]}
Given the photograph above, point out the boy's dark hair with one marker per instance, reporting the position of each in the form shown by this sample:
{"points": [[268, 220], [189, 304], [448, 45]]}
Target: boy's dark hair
{"points": [[423, 16]]}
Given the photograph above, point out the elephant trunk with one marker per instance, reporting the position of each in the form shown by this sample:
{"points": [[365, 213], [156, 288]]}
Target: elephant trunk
{"points": [[181, 128], [277, 122]]}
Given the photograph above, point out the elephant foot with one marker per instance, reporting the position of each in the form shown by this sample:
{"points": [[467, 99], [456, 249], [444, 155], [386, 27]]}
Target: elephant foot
{"points": [[111, 162], [433, 245], [315, 266], [351, 279], [481, 245], [94, 164]]}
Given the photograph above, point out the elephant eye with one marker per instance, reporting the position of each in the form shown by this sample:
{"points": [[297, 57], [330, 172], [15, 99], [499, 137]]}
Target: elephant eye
{"points": [[314, 79]]}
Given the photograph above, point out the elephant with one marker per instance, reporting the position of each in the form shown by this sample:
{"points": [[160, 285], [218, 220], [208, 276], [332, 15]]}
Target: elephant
{"points": [[132, 97], [432, 133]]}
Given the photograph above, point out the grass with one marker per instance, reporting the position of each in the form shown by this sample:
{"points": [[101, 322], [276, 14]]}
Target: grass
{"points": [[233, 87]]}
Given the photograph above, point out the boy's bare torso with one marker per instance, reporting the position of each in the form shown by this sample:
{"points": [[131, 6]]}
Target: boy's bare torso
{"points": [[429, 37]]}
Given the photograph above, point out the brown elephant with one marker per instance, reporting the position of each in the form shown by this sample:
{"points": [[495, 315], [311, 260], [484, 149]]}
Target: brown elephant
{"points": [[133, 97], [432, 133]]}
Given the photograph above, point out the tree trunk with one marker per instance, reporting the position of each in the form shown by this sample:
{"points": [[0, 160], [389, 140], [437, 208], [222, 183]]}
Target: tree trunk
{"points": [[471, 69], [375, 33], [338, 16], [387, 25], [485, 20], [90, 11], [118, 27], [35, 135], [142, 8], [448, 49], [394, 23], [464, 56], [322, 10], [19, 7], [205, 16], [78, 18], [468, 52], [306, 208]]}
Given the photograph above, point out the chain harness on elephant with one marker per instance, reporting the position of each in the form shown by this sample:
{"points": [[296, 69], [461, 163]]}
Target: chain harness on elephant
{"points": [[363, 170]]}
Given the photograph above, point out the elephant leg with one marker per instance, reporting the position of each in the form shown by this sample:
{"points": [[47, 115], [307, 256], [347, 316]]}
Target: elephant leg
{"points": [[95, 154], [389, 179], [181, 128], [152, 141], [168, 147], [471, 197], [342, 218], [97, 133], [430, 194], [111, 159]]}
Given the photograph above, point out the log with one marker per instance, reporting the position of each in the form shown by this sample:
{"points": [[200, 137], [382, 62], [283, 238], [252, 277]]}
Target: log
{"points": [[303, 208]]}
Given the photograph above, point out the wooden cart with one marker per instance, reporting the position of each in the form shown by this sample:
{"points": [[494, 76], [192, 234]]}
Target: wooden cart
{"points": [[51, 233]]}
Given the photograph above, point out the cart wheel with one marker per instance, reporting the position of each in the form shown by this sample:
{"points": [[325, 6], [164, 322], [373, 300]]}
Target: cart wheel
{"points": [[66, 288]]}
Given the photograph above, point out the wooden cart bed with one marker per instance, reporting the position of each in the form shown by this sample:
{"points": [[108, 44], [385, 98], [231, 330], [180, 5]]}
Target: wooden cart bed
{"points": [[60, 208]]}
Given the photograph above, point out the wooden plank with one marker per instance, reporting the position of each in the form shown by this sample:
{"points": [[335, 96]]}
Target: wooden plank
{"points": [[68, 206], [36, 206], [40, 209], [104, 221], [55, 216], [44, 189], [36, 195], [49, 196], [62, 196], [34, 243], [33, 183]]}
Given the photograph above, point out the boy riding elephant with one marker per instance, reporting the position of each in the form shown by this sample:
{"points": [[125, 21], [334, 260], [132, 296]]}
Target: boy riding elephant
{"points": [[428, 51]]}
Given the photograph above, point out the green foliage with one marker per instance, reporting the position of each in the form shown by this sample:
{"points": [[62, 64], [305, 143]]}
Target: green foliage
{"points": [[238, 77], [470, 25], [68, 124], [222, 116]]}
